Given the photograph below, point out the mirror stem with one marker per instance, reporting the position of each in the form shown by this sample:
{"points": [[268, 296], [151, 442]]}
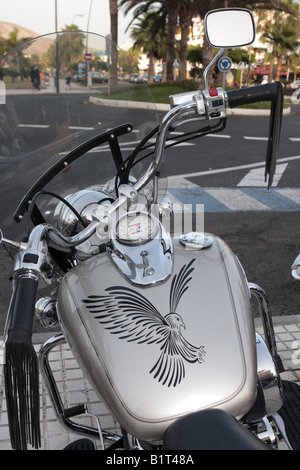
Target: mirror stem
{"points": [[217, 56]]}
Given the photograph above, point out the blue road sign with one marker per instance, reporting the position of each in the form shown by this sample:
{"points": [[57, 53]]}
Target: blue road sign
{"points": [[224, 64]]}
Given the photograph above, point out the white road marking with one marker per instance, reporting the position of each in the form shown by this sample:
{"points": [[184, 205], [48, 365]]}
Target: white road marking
{"points": [[38, 126], [233, 168], [256, 177], [220, 136], [236, 200], [291, 193]]}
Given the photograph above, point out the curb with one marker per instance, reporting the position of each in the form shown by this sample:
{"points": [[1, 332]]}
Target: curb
{"points": [[254, 112], [129, 104], [166, 107]]}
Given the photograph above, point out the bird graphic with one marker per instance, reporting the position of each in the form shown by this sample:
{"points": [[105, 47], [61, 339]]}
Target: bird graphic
{"points": [[130, 316]]}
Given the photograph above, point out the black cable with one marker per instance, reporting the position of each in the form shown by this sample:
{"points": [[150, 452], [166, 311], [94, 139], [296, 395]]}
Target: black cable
{"points": [[60, 198], [187, 137], [128, 163]]}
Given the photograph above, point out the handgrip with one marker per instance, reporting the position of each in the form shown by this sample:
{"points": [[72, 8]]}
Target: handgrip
{"points": [[268, 92], [21, 373], [24, 305]]}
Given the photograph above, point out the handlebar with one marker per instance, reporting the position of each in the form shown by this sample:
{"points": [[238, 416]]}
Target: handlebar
{"points": [[194, 104], [268, 92]]}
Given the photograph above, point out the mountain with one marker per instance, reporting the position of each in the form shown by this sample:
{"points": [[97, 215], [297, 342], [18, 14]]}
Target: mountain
{"points": [[35, 48]]}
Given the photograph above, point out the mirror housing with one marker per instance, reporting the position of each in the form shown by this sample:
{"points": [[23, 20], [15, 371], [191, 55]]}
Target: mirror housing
{"points": [[229, 27]]}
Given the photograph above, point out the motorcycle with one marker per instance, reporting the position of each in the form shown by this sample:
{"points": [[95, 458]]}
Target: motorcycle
{"points": [[159, 319]]}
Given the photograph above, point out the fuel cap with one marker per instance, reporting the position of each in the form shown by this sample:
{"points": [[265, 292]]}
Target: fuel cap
{"points": [[196, 240]]}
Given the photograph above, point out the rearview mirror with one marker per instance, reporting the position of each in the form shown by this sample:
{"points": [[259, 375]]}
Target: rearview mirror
{"points": [[229, 27]]}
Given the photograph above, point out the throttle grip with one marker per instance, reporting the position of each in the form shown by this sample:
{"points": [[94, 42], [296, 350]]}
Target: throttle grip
{"points": [[23, 305], [21, 373], [268, 92]]}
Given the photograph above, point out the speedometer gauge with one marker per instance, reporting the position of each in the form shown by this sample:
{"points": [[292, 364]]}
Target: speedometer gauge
{"points": [[136, 228]]}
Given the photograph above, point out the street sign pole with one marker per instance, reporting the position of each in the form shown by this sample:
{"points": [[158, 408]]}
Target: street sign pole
{"points": [[242, 66], [176, 63], [87, 58]]}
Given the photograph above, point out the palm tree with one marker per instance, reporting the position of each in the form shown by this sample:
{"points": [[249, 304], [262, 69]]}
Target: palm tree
{"points": [[12, 42], [281, 31], [2, 46], [71, 48], [150, 35], [166, 9]]}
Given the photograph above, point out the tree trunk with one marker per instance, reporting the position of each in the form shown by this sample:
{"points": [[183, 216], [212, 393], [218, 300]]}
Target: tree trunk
{"points": [[172, 23], [113, 8], [270, 77], [151, 67], [278, 68], [184, 25]]}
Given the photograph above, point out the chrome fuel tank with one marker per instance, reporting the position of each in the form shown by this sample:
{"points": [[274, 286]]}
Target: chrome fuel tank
{"points": [[157, 353]]}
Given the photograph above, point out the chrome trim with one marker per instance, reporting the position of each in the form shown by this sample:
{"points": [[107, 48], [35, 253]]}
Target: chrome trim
{"points": [[146, 264], [281, 427], [84, 202], [174, 114], [205, 73], [55, 396], [269, 377], [266, 317], [196, 240], [265, 432], [45, 309], [296, 268]]}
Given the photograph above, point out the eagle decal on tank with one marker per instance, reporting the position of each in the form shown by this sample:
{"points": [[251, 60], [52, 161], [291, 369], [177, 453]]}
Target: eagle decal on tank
{"points": [[132, 317]]}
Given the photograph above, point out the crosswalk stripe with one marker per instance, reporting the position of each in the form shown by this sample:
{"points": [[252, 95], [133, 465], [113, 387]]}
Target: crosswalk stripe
{"points": [[236, 200], [233, 199], [256, 177], [291, 193]]}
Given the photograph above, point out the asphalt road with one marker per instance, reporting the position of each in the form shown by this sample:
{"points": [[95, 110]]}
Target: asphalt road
{"points": [[266, 242]]}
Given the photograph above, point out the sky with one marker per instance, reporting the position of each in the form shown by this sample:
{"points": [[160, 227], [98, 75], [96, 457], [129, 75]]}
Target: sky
{"points": [[39, 16]]}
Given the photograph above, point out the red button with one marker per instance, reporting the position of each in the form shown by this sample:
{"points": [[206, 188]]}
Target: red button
{"points": [[213, 92]]}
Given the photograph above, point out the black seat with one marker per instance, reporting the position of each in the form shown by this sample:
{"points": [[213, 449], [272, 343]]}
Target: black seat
{"points": [[210, 430]]}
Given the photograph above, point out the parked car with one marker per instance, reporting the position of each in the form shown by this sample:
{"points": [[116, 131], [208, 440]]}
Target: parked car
{"points": [[145, 77], [136, 78], [98, 77], [133, 78]]}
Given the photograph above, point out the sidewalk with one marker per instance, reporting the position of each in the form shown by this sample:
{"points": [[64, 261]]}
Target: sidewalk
{"points": [[50, 89], [75, 389]]}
